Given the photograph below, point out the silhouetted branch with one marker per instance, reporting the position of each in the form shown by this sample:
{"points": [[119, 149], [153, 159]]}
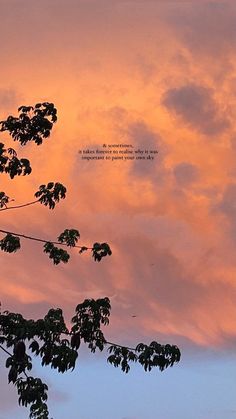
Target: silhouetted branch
{"points": [[41, 240], [8, 353], [19, 206], [119, 346]]}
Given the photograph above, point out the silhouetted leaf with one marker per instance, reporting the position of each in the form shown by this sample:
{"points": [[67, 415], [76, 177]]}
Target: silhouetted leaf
{"points": [[56, 254], [19, 350], [83, 249], [100, 250], [51, 194], [69, 237], [4, 199]]}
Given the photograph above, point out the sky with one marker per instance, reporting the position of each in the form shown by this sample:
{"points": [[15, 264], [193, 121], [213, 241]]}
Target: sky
{"points": [[152, 74]]}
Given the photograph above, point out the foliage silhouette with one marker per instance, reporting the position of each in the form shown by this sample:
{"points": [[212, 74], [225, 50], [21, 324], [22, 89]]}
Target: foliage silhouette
{"points": [[49, 338]]}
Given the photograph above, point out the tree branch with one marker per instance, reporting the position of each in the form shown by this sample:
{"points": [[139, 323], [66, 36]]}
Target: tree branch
{"points": [[106, 342], [8, 353], [42, 240], [119, 346], [19, 206]]}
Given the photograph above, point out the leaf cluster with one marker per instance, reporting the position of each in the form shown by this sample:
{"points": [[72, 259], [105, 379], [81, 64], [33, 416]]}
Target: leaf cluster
{"points": [[89, 317], [50, 194], [50, 339], [56, 254], [149, 356], [33, 391], [33, 124], [69, 237], [100, 250], [18, 362], [10, 164]]}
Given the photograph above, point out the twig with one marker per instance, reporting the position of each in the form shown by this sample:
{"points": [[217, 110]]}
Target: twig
{"points": [[120, 346], [8, 353], [19, 206]]}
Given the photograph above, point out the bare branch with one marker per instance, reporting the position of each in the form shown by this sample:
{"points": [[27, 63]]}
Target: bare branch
{"points": [[19, 206]]}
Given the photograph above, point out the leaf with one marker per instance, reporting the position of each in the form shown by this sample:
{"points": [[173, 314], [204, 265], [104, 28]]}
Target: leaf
{"points": [[83, 249], [56, 254], [8, 362], [12, 375], [75, 340], [4, 199], [34, 346], [19, 350], [69, 237]]}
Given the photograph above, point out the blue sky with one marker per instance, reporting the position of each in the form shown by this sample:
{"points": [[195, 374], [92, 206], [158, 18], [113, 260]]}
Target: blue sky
{"points": [[201, 387]]}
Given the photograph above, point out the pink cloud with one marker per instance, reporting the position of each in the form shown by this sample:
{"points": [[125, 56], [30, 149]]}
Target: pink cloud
{"points": [[195, 104]]}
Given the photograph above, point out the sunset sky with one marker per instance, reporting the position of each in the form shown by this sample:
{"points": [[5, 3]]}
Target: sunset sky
{"points": [[154, 74]]}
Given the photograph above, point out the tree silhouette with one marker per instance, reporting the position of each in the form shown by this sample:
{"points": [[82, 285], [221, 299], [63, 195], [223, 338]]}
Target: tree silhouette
{"points": [[49, 338]]}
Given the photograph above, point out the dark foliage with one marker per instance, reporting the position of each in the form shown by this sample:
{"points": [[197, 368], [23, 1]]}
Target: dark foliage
{"points": [[58, 347], [10, 243], [100, 250], [69, 237], [4, 199], [56, 254], [50, 194], [10, 164], [49, 338], [33, 124]]}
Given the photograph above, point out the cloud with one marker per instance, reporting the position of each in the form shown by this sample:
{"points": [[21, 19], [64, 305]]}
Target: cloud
{"points": [[195, 104], [205, 27], [142, 137], [185, 173], [171, 297], [227, 206]]}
